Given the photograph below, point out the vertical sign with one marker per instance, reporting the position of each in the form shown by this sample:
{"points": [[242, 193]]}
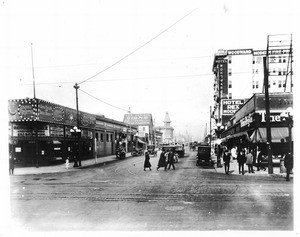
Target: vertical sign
{"points": [[223, 74]]}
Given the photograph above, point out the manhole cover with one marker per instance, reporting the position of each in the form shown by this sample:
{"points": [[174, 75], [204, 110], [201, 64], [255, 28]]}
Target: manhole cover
{"points": [[174, 208]]}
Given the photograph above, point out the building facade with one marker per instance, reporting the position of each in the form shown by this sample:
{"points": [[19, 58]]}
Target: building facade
{"points": [[41, 132], [239, 74], [144, 123]]}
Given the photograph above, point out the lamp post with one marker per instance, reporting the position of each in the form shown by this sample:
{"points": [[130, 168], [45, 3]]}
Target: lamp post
{"points": [[288, 117], [220, 128], [76, 132]]}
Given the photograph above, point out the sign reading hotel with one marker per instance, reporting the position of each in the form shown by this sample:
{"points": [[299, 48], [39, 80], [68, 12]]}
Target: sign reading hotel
{"points": [[230, 106]]}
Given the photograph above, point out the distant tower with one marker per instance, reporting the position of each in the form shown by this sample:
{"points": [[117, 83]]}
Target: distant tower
{"points": [[167, 129]]}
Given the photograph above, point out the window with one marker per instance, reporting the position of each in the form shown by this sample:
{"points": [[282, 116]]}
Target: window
{"points": [[284, 59], [274, 82], [279, 84], [107, 137], [279, 72], [97, 136], [101, 137], [230, 96], [283, 71], [253, 85], [229, 84], [279, 59], [229, 59], [229, 71], [111, 137]]}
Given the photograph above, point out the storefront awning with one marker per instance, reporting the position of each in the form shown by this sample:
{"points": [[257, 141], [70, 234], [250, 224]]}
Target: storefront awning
{"points": [[260, 134], [141, 141], [240, 134]]}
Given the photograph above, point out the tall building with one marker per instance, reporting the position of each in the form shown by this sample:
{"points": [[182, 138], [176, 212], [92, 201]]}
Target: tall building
{"points": [[239, 73]]}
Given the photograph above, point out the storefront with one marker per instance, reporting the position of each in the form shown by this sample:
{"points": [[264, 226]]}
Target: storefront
{"points": [[247, 127], [40, 132]]}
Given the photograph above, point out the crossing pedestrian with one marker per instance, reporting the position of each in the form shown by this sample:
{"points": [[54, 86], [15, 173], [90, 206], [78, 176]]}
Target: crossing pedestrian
{"points": [[241, 159], [147, 163], [249, 161], [162, 160], [171, 160], [226, 159], [288, 164]]}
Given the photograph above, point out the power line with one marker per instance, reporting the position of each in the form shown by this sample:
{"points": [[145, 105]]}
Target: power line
{"points": [[120, 60], [103, 101], [137, 78]]}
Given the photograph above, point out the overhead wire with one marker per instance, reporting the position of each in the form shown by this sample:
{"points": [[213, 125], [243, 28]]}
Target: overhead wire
{"points": [[116, 107], [143, 45]]}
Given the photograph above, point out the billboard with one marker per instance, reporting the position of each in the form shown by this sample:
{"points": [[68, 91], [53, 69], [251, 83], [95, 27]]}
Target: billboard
{"points": [[230, 106], [138, 119]]}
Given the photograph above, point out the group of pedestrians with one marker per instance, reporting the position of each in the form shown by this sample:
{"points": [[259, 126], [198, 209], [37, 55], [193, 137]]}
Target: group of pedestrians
{"points": [[166, 160], [248, 157]]}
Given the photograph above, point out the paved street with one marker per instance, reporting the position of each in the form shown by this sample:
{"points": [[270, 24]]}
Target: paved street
{"points": [[120, 195]]}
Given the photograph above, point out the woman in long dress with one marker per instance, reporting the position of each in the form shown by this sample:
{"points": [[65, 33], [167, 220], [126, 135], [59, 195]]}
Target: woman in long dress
{"points": [[162, 160], [147, 161]]}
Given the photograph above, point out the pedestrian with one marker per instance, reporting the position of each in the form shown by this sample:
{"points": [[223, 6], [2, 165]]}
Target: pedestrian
{"points": [[234, 153], [259, 161], [147, 161], [249, 161], [171, 160], [241, 159], [226, 159], [288, 164], [67, 163], [162, 160], [11, 164]]}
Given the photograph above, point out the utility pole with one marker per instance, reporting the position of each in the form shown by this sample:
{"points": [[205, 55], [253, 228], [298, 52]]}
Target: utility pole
{"points": [[78, 134], [210, 126], [267, 107], [36, 123]]}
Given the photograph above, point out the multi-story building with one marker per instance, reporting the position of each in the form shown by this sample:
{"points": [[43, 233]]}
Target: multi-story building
{"points": [[239, 74], [144, 122]]}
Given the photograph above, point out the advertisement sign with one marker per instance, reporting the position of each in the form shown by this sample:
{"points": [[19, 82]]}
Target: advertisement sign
{"points": [[230, 106], [278, 101], [223, 74], [239, 51], [138, 119], [22, 110]]}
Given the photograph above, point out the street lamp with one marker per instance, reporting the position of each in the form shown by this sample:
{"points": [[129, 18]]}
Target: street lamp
{"points": [[76, 132], [288, 117], [220, 129]]}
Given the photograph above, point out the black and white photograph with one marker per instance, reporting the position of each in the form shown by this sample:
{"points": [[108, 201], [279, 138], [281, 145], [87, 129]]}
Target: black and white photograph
{"points": [[139, 117]]}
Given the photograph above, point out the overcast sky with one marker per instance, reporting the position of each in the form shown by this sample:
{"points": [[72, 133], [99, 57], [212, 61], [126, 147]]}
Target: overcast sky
{"points": [[172, 71]]}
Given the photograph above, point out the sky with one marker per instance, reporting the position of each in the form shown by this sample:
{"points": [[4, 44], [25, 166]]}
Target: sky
{"points": [[150, 56]]}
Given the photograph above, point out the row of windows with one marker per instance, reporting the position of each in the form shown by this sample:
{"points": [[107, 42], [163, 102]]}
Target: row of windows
{"points": [[280, 84], [259, 60], [109, 137]]}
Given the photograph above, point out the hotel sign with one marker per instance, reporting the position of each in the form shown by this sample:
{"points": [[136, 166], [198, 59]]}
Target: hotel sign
{"points": [[231, 106]]}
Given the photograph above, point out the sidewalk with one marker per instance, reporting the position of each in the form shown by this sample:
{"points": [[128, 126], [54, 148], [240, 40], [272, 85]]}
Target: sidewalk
{"points": [[62, 167], [234, 169]]}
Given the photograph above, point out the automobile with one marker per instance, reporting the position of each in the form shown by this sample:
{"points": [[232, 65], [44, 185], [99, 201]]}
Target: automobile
{"points": [[179, 149], [203, 157], [151, 149]]}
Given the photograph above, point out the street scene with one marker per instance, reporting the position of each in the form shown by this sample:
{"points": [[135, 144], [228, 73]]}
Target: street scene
{"points": [[142, 115], [120, 195]]}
